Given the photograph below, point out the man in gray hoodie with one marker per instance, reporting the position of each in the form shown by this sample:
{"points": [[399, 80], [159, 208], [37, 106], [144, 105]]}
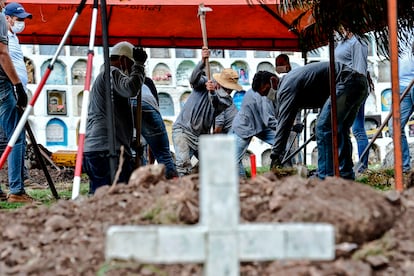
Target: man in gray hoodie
{"points": [[127, 75], [198, 113]]}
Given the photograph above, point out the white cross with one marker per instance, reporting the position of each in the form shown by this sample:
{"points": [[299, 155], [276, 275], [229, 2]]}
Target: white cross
{"points": [[219, 240]]}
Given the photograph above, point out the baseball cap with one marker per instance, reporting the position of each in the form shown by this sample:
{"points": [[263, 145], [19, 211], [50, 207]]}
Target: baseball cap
{"points": [[15, 9], [123, 48]]}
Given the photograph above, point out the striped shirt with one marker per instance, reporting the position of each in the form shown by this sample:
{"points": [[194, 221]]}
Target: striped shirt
{"points": [[16, 55]]}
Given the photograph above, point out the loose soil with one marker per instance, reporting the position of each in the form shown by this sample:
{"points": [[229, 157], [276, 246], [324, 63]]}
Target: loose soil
{"points": [[374, 229]]}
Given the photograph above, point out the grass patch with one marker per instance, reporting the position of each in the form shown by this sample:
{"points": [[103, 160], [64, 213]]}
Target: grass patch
{"points": [[46, 197], [380, 179], [10, 206], [259, 170], [129, 268], [151, 213]]}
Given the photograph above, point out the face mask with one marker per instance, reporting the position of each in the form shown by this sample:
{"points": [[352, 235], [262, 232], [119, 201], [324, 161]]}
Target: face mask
{"points": [[223, 93], [337, 37], [18, 27], [282, 69], [272, 93]]}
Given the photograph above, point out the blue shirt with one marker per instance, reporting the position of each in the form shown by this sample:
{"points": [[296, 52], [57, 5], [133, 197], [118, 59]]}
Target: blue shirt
{"points": [[406, 69], [353, 52]]}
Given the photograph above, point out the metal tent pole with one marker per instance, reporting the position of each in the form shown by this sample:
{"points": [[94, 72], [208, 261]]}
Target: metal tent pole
{"points": [[334, 119], [109, 96]]}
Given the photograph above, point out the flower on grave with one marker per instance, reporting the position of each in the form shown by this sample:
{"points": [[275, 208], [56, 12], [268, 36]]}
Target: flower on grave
{"points": [[60, 108]]}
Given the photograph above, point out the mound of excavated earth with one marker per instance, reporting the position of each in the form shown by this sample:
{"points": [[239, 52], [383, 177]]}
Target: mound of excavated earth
{"points": [[374, 233]]}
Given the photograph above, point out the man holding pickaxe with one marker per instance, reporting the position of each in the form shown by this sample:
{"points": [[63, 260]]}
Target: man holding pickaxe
{"points": [[197, 115]]}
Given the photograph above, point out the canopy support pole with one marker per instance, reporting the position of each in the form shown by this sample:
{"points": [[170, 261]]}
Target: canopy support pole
{"points": [[334, 119], [110, 120], [395, 87]]}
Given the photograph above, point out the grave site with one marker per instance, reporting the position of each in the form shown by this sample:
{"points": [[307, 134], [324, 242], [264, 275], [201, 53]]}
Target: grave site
{"points": [[211, 223]]}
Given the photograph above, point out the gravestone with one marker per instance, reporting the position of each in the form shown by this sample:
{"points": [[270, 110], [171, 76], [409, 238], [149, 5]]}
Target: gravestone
{"points": [[219, 241], [166, 104], [184, 70]]}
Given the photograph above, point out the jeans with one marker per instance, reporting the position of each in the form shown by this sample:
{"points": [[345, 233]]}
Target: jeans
{"points": [[96, 166], [406, 109], [185, 148], [155, 133], [3, 141], [350, 94], [358, 129], [3, 145], [9, 118], [267, 135]]}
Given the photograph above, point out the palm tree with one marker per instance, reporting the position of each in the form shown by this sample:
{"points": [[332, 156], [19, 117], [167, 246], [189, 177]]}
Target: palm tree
{"points": [[360, 16]]}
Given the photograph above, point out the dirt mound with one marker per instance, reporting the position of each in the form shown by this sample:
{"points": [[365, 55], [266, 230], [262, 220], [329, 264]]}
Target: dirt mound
{"points": [[67, 238]]}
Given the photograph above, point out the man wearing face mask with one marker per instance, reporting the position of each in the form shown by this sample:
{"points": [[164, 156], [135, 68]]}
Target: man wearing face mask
{"points": [[309, 87], [127, 75], [12, 94], [282, 64], [15, 16], [283, 67], [256, 117], [198, 113]]}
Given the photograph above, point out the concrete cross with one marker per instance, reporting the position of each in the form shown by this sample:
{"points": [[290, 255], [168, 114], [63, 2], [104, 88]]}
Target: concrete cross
{"points": [[219, 241]]}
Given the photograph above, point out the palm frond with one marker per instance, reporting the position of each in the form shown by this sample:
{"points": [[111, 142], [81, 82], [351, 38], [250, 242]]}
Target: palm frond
{"points": [[359, 16]]}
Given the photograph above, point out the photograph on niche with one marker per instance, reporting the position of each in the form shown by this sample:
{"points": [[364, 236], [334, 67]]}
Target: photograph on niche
{"points": [[56, 102]]}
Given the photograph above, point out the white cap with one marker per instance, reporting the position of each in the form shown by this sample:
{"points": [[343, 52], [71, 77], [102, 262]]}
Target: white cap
{"points": [[123, 48]]}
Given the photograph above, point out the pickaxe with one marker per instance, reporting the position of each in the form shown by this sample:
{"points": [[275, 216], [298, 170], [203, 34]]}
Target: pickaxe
{"points": [[202, 14]]}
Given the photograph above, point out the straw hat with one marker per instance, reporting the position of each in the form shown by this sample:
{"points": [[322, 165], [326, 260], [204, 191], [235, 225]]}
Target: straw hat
{"points": [[228, 78]]}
